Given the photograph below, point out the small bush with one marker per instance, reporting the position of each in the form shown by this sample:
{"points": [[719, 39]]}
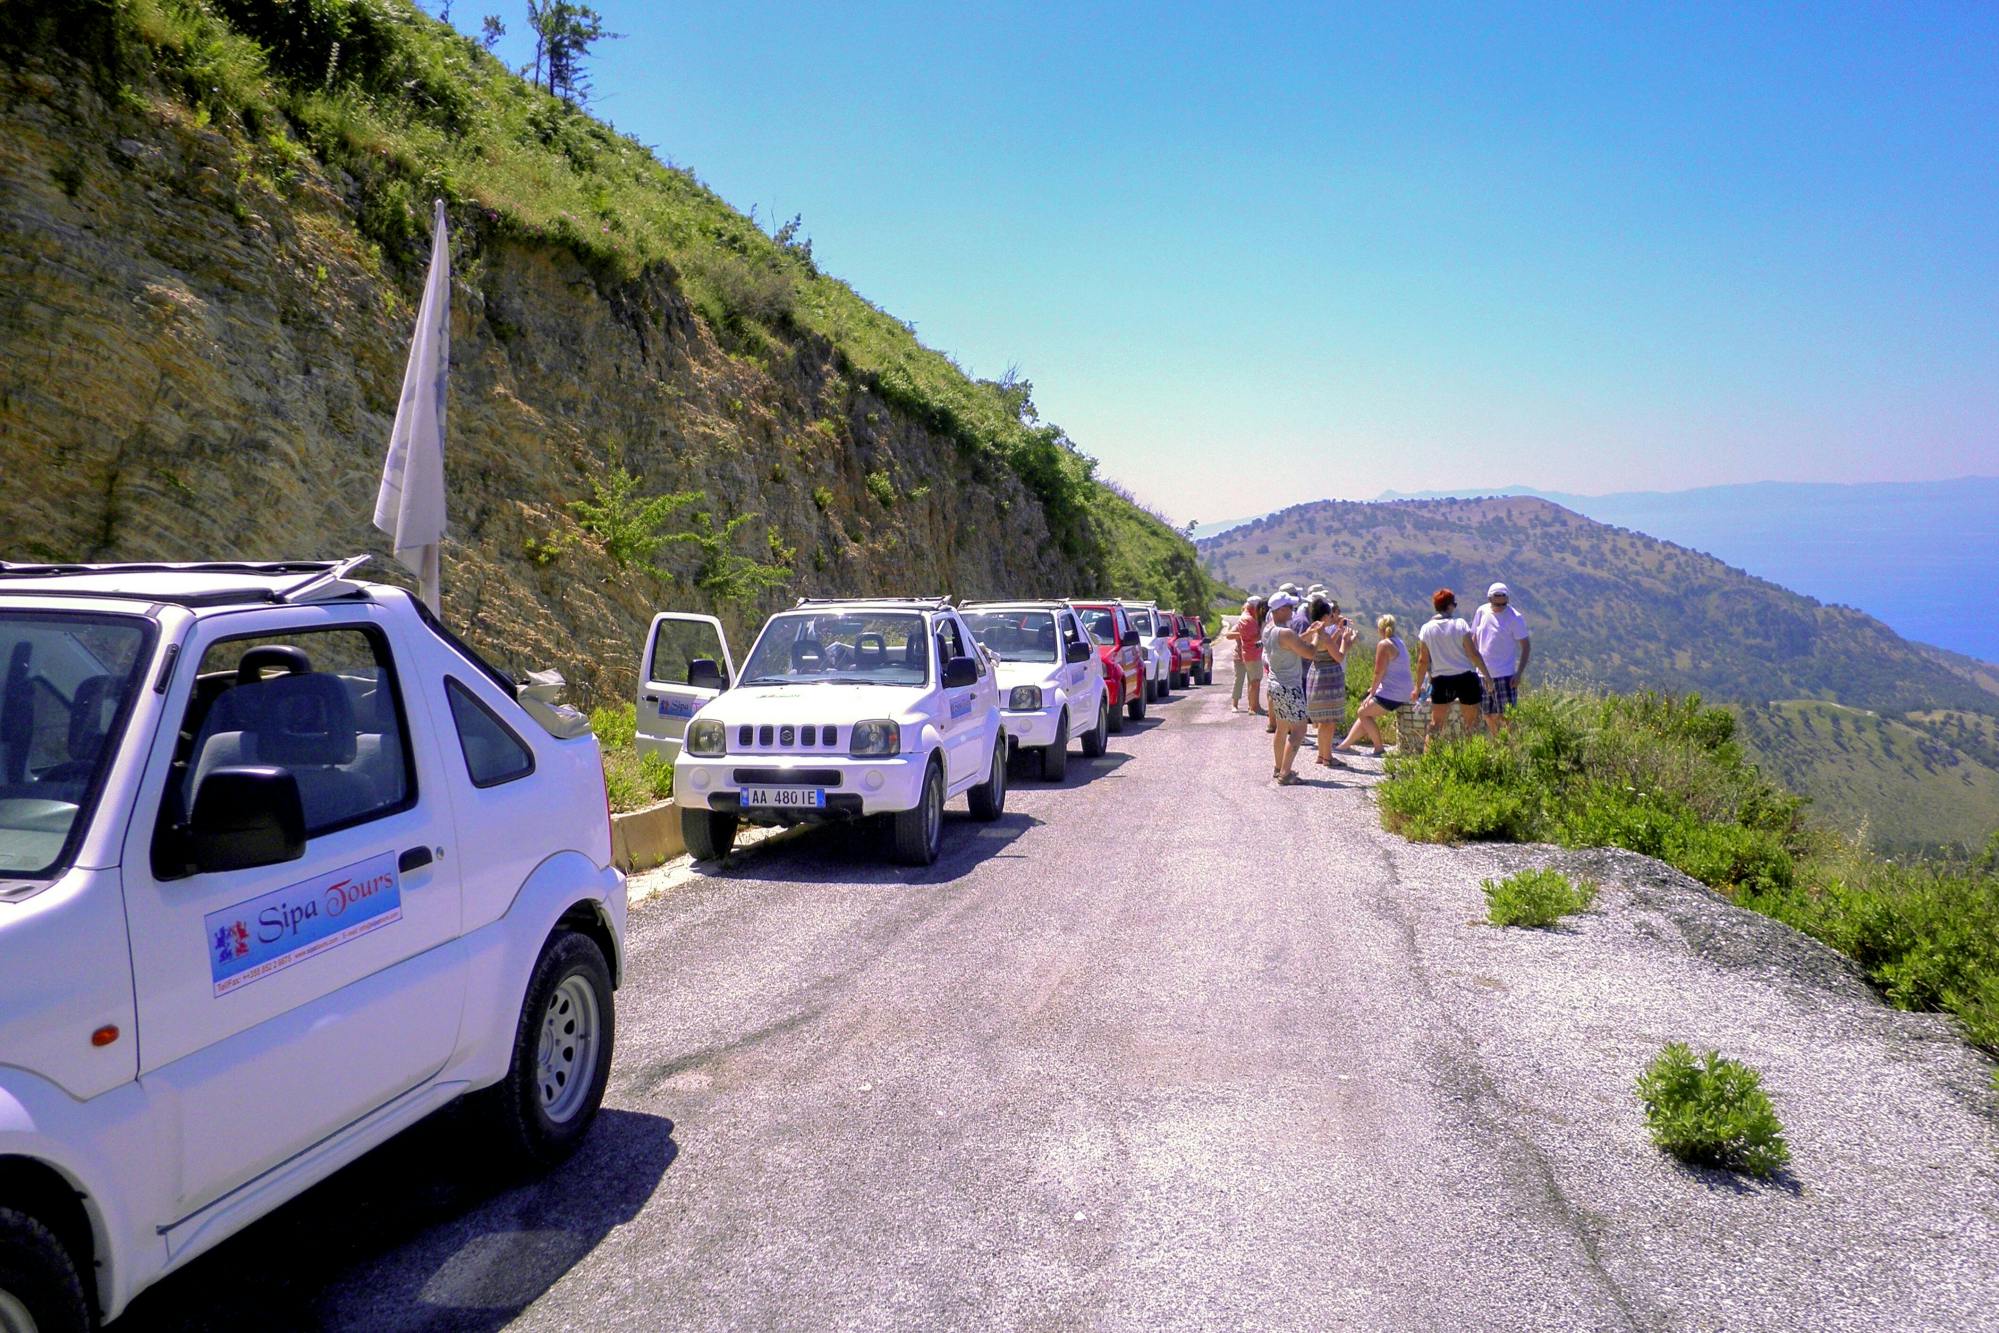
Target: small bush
{"points": [[1458, 792], [1711, 1111], [1535, 898], [882, 488], [616, 725]]}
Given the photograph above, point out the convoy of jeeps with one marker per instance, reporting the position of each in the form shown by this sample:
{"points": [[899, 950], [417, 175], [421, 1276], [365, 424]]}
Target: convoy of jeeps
{"points": [[285, 866]]}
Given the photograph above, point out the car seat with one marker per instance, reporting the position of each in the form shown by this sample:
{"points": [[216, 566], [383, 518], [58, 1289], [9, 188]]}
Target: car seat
{"points": [[306, 724], [871, 651], [89, 721]]}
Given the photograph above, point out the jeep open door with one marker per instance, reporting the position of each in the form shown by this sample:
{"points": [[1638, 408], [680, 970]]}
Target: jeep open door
{"points": [[686, 663]]}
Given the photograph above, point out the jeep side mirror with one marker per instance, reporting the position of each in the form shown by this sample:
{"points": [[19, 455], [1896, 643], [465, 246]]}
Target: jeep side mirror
{"points": [[705, 673], [245, 817], [960, 672], [1078, 652], [1131, 638]]}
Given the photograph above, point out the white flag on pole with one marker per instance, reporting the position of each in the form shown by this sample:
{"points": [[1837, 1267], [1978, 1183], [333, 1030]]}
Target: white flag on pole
{"points": [[410, 505]]}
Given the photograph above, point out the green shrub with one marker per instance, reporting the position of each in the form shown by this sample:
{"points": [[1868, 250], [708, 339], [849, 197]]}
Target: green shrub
{"points": [[616, 725], [1711, 1111], [1537, 898], [1453, 793], [882, 488]]}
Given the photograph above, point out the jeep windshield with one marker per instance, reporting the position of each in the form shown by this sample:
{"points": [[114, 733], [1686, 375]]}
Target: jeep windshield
{"points": [[840, 648], [1016, 636], [65, 683]]}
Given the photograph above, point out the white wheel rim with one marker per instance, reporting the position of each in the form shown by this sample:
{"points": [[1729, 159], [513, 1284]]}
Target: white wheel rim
{"points": [[14, 1316], [566, 1060]]}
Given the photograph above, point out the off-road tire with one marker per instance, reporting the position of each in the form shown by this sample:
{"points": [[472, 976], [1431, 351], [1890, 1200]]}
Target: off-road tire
{"points": [[988, 799], [1136, 710], [918, 833], [709, 834], [1116, 716], [1055, 755], [40, 1277], [1093, 739], [513, 1107]]}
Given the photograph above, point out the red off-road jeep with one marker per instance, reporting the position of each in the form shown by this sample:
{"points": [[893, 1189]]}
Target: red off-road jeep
{"points": [[1124, 661]]}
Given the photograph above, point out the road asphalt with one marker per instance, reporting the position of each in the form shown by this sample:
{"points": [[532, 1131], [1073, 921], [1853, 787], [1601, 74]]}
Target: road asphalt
{"points": [[1170, 1047]]}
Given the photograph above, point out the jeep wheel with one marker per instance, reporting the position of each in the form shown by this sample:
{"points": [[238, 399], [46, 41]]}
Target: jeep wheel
{"points": [[1094, 738], [1136, 709], [709, 834], [1055, 755], [1116, 708], [40, 1289], [988, 799], [1165, 684], [562, 1054], [918, 832]]}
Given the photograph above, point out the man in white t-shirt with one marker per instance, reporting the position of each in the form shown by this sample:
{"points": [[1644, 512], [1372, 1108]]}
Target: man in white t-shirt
{"points": [[1501, 632]]}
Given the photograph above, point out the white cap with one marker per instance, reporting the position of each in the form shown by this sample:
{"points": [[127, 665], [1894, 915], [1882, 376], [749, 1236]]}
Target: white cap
{"points": [[1498, 590], [1282, 601]]}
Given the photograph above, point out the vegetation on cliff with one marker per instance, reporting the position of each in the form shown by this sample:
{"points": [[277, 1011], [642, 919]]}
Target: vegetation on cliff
{"points": [[614, 314]]}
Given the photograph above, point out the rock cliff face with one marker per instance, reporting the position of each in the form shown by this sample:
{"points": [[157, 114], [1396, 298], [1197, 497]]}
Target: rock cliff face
{"points": [[200, 362]]}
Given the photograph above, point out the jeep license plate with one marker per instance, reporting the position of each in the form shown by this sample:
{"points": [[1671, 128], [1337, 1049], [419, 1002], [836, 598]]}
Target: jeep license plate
{"points": [[786, 798]]}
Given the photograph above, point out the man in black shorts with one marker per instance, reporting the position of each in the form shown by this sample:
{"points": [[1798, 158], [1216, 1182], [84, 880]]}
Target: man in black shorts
{"points": [[1449, 657]]}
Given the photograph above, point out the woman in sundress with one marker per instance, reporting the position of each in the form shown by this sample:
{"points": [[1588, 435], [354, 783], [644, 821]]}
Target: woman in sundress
{"points": [[1330, 635]]}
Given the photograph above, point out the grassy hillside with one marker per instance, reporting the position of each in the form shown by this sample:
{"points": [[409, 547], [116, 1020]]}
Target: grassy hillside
{"points": [[1879, 779], [194, 184], [1623, 611]]}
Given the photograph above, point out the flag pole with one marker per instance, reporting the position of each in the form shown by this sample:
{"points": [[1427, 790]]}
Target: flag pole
{"points": [[409, 507]]}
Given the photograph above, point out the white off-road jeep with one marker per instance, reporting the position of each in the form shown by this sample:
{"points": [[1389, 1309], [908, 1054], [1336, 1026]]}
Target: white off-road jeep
{"points": [[284, 867], [845, 709], [1155, 639], [1051, 679]]}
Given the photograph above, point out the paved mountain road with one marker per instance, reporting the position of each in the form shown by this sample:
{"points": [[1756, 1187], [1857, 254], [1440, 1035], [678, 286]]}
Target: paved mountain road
{"points": [[1170, 1047]]}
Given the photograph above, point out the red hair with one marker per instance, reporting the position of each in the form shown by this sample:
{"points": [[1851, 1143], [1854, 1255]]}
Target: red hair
{"points": [[1442, 598]]}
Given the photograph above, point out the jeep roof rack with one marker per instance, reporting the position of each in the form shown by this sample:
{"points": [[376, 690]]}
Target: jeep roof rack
{"points": [[216, 582], [938, 602]]}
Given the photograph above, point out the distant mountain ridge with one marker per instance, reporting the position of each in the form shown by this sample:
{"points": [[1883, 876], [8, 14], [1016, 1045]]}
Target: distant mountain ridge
{"points": [[1630, 611], [1902, 551]]}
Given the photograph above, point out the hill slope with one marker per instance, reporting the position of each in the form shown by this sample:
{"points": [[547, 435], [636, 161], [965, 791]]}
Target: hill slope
{"points": [[213, 224], [1899, 549], [1628, 612]]}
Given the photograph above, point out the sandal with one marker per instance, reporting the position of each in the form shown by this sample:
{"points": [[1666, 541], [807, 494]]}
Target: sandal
{"points": [[1287, 780]]}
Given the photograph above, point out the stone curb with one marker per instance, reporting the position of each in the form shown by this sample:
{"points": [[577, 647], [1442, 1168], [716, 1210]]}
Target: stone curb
{"points": [[646, 838]]}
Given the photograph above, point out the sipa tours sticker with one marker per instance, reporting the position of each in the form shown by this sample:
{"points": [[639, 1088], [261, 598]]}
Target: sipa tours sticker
{"points": [[268, 934]]}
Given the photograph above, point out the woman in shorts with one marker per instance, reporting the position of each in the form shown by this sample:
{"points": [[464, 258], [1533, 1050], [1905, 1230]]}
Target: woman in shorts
{"points": [[1448, 654], [1285, 654], [1392, 690]]}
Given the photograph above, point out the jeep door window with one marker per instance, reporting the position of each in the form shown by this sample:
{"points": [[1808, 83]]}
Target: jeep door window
{"points": [[1103, 627], [951, 644], [1016, 636], [493, 753], [321, 704], [1070, 634], [66, 685], [677, 644], [842, 648], [1142, 622]]}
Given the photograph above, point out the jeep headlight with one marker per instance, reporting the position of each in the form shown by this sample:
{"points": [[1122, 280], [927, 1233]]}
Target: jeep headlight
{"points": [[1025, 698], [706, 737], [874, 739]]}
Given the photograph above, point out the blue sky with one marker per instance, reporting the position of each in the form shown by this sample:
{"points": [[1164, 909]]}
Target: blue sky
{"points": [[1252, 255]]}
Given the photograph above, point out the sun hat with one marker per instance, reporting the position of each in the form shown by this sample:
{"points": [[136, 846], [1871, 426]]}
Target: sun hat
{"points": [[1498, 590], [1283, 601]]}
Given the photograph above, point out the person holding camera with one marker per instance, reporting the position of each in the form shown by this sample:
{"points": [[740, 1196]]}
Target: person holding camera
{"points": [[1285, 655], [1329, 635]]}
